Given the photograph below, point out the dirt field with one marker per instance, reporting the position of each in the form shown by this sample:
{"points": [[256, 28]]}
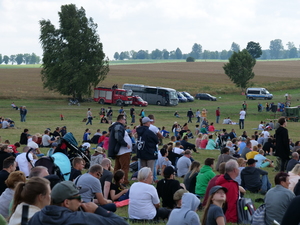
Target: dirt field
{"points": [[193, 77]]}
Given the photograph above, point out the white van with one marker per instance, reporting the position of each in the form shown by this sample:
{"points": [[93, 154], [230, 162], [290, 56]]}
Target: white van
{"points": [[258, 93]]}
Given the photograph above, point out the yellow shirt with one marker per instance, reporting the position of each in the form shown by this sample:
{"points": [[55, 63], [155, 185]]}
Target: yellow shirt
{"points": [[250, 155]]}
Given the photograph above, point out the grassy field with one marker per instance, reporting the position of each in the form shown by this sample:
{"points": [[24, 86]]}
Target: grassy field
{"points": [[24, 87]]}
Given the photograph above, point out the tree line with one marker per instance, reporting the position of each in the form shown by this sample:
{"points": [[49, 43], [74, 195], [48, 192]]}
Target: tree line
{"points": [[276, 51], [20, 58]]}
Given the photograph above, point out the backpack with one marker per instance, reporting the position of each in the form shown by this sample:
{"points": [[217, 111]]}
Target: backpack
{"points": [[258, 217], [245, 210]]}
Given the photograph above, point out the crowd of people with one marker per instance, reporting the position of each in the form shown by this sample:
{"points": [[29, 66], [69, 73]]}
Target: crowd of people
{"points": [[93, 197]]}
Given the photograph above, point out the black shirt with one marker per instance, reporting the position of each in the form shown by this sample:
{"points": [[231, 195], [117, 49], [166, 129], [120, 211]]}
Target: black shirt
{"points": [[106, 176], [3, 176], [166, 189], [74, 173]]}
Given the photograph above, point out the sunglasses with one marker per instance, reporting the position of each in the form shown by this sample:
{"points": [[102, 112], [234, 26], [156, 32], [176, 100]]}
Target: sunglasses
{"points": [[75, 197]]}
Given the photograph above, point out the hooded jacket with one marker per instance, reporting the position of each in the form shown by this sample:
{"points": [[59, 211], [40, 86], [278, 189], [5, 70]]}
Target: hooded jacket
{"points": [[282, 143], [186, 215], [116, 139], [232, 196], [251, 178], [146, 142], [53, 214], [204, 176]]}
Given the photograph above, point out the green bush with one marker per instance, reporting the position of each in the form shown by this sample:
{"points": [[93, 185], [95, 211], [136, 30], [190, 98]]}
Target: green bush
{"points": [[190, 59]]}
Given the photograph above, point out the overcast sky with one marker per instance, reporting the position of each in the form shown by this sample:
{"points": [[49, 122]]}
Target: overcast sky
{"points": [[125, 25]]}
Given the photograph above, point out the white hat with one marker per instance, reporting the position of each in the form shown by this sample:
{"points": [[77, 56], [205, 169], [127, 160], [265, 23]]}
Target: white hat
{"points": [[86, 144]]}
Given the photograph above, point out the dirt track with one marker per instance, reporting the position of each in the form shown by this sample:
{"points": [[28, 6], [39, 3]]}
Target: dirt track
{"points": [[193, 77]]}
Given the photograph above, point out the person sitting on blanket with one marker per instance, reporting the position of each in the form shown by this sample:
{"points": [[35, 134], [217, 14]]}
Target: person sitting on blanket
{"points": [[118, 192]]}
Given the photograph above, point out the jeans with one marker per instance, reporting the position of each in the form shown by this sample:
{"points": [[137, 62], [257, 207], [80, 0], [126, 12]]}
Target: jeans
{"points": [[241, 123], [110, 207], [198, 119], [217, 119], [89, 121], [122, 162], [190, 120], [266, 185], [155, 171]]}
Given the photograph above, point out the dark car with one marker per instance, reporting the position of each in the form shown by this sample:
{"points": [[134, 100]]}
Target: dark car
{"points": [[205, 96]]}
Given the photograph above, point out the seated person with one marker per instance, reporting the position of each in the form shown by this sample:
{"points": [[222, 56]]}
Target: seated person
{"points": [[14, 106], [46, 139], [204, 176], [78, 164], [203, 129], [293, 161], [186, 145], [251, 154], [117, 191], [164, 132], [183, 164], [268, 147], [190, 177], [262, 161], [104, 120], [252, 180], [261, 126], [167, 187], [163, 161], [177, 149], [176, 114], [224, 157]]}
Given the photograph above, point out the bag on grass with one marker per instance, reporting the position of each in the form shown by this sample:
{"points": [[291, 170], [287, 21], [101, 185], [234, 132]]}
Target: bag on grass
{"points": [[245, 210], [258, 217]]}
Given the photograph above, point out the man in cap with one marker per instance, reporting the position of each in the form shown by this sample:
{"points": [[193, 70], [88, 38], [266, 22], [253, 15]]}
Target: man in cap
{"points": [[120, 146], [252, 180], [66, 208], [167, 187], [146, 144]]}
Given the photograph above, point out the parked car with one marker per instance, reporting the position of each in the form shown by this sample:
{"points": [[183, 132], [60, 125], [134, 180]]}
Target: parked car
{"points": [[181, 97], [188, 96], [205, 96], [138, 101]]}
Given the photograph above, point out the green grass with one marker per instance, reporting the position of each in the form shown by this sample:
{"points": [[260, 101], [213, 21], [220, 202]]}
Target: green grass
{"points": [[44, 114]]}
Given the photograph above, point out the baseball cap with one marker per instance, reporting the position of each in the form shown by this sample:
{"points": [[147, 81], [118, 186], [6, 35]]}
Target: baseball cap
{"points": [[65, 190], [146, 120], [216, 188], [251, 161], [178, 194], [86, 144], [168, 171]]}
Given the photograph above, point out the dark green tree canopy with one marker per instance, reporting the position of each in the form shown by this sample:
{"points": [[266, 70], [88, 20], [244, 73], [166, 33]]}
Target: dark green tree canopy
{"points": [[73, 58], [276, 48], [116, 56], [254, 49], [196, 51], [178, 53], [19, 59], [5, 59], [240, 68]]}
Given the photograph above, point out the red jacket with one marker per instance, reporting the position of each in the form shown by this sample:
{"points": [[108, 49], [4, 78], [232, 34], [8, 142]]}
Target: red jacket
{"points": [[211, 184], [232, 196]]}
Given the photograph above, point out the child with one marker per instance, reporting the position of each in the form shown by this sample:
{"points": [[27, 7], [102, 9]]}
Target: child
{"points": [[117, 191]]}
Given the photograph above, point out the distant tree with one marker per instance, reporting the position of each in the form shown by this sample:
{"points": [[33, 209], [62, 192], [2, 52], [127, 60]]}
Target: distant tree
{"points": [[12, 59], [214, 55], [229, 54], [235, 47], [141, 54], [26, 58], [254, 49], [293, 53], [73, 58], [5, 59], [184, 56], [172, 55], [196, 51], [156, 54], [265, 54], [290, 45], [206, 54], [122, 56], [224, 54], [133, 54], [276, 48], [1, 60], [240, 68], [19, 59], [165, 54], [190, 59], [116, 56], [34, 59], [178, 53]]}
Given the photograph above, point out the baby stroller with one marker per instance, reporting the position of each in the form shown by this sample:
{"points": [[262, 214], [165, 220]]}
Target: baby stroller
{"points": [[69, 142], [58, 164]]}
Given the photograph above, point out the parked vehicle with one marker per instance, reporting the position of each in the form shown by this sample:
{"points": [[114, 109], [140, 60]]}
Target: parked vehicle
{"points": [[112, 96], [138, 101], [258, 93], [154, 95], [205, 96], [188, 96], [181, 97]]}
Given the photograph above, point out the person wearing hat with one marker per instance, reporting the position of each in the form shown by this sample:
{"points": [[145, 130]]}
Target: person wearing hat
{"points": [[146, 144], [167, 187], [254, 179], [120, 146], [67, 208], [97, 157], [187, 213], [213, 213]]}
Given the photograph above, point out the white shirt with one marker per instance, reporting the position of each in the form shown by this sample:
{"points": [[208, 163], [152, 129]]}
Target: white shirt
{"points": [[124, 149], [266, 134], [142, 198], [242, 115], [23, 162], [178, 150], [33, 145], [253, 143], [261, 126]]}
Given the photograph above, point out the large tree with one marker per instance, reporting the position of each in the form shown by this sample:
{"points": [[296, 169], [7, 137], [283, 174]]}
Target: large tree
{"points": [[254, 49], [240, 68], [165, 54], [276, 48], [116, 55], [196, 51], [178, 53], [5, 59], [73, 58], [19, 59], [12, 59], [235, 47]]}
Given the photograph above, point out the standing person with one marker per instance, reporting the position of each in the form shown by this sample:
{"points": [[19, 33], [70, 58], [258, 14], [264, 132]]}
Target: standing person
{"points": [[282, 143], [120, 146], [218, 114], [132, 110], [244, 106], [147, 142], [109, 115], [213, 214], [242, 118], [142, 113], [190, 114], [198, 115], [89, 116], [132, 118]]}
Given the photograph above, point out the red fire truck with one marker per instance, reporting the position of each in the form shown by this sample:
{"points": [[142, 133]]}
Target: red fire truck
{"points": [[113, 96]]}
